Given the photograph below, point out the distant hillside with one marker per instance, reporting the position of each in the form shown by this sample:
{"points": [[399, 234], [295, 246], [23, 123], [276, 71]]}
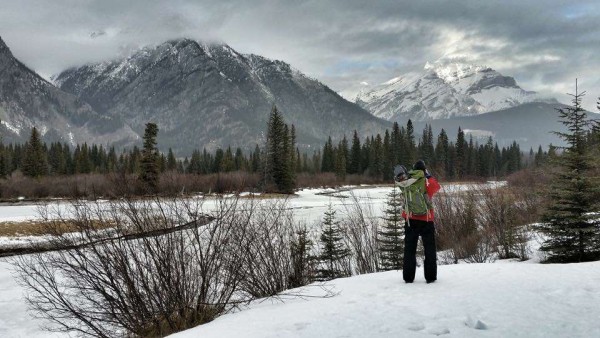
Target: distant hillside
{"points": [[530, 124]]}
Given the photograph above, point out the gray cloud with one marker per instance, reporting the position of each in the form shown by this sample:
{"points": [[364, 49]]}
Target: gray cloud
{"points": [[545, 45]]}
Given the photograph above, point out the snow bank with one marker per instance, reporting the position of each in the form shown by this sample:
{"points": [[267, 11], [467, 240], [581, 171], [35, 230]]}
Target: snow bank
{"points": [[512, 299], [469, 300]]}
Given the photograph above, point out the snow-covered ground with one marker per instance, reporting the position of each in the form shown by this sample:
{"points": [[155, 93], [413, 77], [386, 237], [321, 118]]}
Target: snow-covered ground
{"points": [[468, 300], [502, 299]]}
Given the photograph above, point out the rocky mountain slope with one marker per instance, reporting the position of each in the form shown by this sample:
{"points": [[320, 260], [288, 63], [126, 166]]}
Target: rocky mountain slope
{"points": [[443, 90], [27, 100], [208, 95]]}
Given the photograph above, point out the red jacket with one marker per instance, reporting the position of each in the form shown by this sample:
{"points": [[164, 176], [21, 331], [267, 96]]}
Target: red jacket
{"points": [[432, 186]]}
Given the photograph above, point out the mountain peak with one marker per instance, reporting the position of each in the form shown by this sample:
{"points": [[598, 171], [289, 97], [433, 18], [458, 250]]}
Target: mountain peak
{"points": [[3, 47], [208, 94], [451, 70], [27, 100], [448, 87]]}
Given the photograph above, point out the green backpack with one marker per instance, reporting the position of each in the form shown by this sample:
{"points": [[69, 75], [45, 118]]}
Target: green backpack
{"points": [[417, 201]]}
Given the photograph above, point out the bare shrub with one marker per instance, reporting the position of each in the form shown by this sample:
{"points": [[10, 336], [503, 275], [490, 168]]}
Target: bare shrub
{"points": [[116, 185], [460, 229], [360, 228], [75, 186], [109, 285], [505, 212], [484, 222], [275, 253]]}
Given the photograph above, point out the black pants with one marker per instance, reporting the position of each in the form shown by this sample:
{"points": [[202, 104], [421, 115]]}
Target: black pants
{"points": [[411, 238]]}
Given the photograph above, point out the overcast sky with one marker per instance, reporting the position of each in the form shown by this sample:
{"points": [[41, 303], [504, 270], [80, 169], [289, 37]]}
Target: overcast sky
{"points": [[545, 45]]}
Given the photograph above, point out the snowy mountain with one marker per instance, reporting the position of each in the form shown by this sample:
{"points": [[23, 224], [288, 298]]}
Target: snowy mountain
{"points": [[208, 95], [27, 100], [445, 89]]}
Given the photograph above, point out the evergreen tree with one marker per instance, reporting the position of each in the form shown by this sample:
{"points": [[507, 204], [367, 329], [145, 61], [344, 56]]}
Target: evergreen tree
{"points": [[461, 162], [238, 159], [344, 147], [149, 164], [171, 161], [316, 161], [35, 163], [292, 152], [391, 237], [334, 253], [56, 159], [194, 165], [442, 156], [328, 159], [256, 159], [228, 162], [366, 154], [300, 160], [3, 164], [388, 157], [302, 260], [340, 162], [277, 167], [217, 161], [426, 148], [488, 168], [376, 164], [355, 156], [571, 227], [539, 157], [410, 147]]}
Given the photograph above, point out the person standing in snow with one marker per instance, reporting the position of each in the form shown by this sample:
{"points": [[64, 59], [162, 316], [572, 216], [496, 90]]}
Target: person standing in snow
{"points": [[420, 224]]}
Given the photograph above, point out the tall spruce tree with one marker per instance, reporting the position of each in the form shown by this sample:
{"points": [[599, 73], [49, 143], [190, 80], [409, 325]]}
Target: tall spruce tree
{"points": [[355, 156], [442, 155], [328, 159], [377, 157], [461, 163], [333, 257], [410, 147], [3, 164], [571, 227], [149, 163], [171, 161], [391, 236], [340, 161], [278, 169], [388, 157], [35, 162], [426, 148]]}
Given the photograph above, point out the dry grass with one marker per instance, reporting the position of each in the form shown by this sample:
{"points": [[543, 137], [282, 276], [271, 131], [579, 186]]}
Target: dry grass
{"points": [[40, 228]]}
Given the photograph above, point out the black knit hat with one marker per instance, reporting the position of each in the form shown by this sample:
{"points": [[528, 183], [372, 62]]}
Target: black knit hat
{"points": [[419, 165]]}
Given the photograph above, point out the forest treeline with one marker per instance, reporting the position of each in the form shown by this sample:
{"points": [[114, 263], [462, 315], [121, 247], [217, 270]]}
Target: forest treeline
{"points": [[373, 156]]}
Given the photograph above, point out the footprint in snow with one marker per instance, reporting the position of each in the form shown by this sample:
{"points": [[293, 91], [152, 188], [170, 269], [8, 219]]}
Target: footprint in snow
{"points": [[438, 331], [416, 326], [300, 326]]}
